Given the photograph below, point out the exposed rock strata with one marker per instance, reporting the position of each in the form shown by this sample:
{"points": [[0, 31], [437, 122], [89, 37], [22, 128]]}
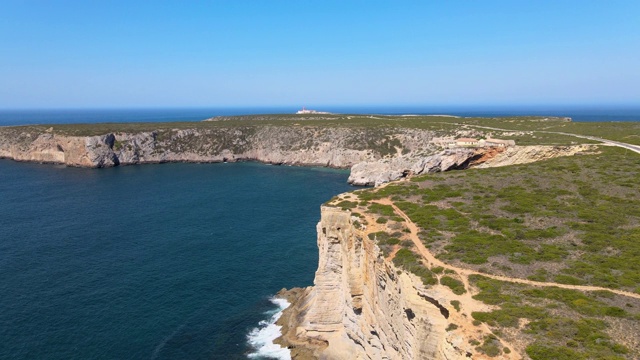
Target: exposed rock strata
{"points": [[385, 170], [375, 155], [293, 145], [528, 154], [90, 151], [362, 306]]}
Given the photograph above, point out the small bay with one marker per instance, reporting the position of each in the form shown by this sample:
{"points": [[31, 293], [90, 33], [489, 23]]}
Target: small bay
{"points": [[169, 261]]}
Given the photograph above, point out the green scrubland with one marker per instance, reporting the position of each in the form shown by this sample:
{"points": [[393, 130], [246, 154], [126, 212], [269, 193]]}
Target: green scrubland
{"points": [[570, 220]]}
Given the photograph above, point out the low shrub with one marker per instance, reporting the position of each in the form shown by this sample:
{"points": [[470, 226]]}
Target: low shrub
{"points": [[454, 284]]}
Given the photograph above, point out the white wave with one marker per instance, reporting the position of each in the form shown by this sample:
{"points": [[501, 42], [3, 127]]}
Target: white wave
{"points": [[261, 338]]}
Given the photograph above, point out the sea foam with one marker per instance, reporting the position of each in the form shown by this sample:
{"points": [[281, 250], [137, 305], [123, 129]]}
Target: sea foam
{"points": [[261, 338]]}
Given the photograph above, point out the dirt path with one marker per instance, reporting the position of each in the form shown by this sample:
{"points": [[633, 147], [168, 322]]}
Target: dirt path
{"points": [[634, 148], [393, 253], [467, 304], [433, 262]]}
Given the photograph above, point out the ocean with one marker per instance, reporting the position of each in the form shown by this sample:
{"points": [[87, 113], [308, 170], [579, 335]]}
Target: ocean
{"points": [[61, 116], [170, 261]]}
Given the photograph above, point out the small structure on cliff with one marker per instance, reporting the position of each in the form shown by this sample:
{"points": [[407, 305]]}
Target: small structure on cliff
{"points": [[307, 111], [497, 143], [466, 142], [470, 142]]}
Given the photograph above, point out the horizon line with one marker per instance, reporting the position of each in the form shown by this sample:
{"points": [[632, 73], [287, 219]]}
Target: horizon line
{"points": [[603, 106]]}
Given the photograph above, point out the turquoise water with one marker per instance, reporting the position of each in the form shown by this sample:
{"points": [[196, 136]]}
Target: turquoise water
{"points": [[172, 261]]}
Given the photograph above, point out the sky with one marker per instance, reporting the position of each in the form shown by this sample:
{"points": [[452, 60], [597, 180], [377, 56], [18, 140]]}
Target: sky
{"points": [[161, 53]]}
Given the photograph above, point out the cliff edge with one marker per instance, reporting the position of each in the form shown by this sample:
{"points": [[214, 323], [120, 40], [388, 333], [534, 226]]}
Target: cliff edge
{"points": [[364, 307], [375, 155], [289, 144]]}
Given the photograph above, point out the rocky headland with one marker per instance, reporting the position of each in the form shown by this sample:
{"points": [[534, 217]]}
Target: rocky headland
{"points": [[375, 154], [362, 306]]}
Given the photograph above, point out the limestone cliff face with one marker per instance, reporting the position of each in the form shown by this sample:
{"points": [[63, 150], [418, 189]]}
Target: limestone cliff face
{"points": [[528, 154], [375, 155], [90, 151], [361, 306], [292, 144], [385, 170]]}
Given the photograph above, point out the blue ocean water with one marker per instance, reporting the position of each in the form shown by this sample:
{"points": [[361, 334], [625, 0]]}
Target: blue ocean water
{"points": [[77, 116], [171, 261], [25, 117]]}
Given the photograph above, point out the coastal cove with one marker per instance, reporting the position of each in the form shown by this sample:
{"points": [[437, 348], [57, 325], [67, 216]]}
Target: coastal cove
{"points": [[295, 180], [157, 261], [216, 234]]}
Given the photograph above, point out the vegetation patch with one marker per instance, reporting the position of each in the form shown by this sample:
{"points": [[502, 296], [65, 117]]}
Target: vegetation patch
{"points": [[575, 328], [451, 327], [347, 205], [455, 304], [561, 215], [490, 346], [454, 284], [409, 261]]}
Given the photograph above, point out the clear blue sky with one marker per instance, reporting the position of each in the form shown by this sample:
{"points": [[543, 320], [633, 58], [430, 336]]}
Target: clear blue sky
{"points": [[258, 53]]}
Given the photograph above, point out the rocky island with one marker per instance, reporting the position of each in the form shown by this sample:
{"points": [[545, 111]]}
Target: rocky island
{"points": [[524, 255]]}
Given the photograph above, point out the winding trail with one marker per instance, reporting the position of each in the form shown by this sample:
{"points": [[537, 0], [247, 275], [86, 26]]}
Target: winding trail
{"points": [[460, 315], [634, 148], [434, 262]]}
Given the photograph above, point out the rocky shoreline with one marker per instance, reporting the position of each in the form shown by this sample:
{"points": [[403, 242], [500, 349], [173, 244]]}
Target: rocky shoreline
{"points": [[361, 305], [374, 155]]}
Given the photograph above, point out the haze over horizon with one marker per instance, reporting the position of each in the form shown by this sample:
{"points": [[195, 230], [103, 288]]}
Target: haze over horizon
{"points": [[75, 54]]}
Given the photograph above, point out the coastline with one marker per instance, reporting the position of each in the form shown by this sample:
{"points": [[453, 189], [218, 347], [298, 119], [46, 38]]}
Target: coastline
{"points": [[375, 153], [262, 338], [117, 149]]}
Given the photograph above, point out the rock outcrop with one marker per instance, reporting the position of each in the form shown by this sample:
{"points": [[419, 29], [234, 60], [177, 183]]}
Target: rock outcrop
{"points": [[89, 151], [385, 170], [375, 155], [528, 154], [361, 306], [339, 147]]}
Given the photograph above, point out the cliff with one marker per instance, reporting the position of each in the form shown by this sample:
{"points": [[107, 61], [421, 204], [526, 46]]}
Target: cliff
{"points": [[292, 144], [363, 307], [376, 155], [389, 169]]}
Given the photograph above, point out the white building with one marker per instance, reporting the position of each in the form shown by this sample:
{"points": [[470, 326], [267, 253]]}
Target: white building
{"points": [[497, 143], [467, 142], [305, 111]]}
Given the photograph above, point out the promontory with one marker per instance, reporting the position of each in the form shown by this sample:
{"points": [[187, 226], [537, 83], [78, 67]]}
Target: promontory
{"points": [[531, 250]]}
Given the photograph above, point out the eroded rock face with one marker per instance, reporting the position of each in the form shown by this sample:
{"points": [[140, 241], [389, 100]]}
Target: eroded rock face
{"points": [[291, 145], [89, 151], [385, 170], [379, 172], [361, 306], [375, 156], [528, 154]]}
